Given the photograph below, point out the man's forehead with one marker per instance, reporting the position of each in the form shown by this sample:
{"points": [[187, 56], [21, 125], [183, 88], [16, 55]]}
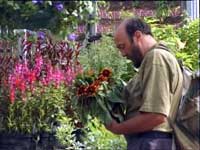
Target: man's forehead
{"points": [[119, 34]]}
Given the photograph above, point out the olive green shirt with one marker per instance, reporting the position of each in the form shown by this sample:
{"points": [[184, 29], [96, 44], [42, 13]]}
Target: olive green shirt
{"points": [[152, 88]]}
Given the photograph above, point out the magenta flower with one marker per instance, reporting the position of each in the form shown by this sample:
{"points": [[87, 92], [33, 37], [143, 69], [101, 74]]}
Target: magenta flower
{"points": [[38, 65], [69, 76]]}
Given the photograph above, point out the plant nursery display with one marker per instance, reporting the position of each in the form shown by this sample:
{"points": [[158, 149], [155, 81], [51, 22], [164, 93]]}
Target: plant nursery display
{"points": [[35, 89]]}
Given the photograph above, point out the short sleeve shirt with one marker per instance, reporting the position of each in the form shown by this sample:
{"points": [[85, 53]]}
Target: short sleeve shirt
{"points": [[152, 88]]}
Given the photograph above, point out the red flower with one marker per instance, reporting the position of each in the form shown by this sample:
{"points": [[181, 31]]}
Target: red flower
{"points": [[17, 81], [22, 86], [31, 77], [90, 90], [81, 90]]}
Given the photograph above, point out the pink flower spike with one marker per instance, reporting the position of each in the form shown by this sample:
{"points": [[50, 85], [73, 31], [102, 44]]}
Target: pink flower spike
{"points": [[12, 95]]}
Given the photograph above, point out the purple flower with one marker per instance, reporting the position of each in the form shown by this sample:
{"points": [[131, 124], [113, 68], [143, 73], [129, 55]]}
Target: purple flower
{"points": [[41, 35], [72, 37], [59, 6], [37, 1]]}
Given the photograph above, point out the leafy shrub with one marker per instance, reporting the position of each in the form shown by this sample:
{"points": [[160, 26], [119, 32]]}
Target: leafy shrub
{"points": [[183, 41], [65, 136], [165, 33], [40, 111], [99, 138], [189, 35]]}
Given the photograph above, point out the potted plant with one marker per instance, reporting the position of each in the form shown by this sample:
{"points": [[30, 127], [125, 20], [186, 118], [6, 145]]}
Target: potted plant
{"points": [[35, 93]]}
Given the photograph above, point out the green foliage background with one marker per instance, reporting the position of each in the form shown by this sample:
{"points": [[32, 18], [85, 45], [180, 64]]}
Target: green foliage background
{"points": [[189, 34], [183, 42]]}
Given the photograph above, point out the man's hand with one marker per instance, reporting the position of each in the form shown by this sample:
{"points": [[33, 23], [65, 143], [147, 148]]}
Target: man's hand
{"points": [[113, 127]]}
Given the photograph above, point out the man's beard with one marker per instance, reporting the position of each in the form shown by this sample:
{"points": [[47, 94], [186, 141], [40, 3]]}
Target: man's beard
{"points": [[136, 56]]}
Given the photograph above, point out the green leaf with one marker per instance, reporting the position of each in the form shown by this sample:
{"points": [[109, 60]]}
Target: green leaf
{"points": [[105, 115]]}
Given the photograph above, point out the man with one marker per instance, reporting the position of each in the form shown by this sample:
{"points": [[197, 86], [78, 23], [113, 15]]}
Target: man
{"points": [[149, 94]]}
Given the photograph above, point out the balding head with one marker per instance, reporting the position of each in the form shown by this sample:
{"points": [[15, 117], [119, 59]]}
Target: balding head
{"points": [[121, 29], [130, 26]]}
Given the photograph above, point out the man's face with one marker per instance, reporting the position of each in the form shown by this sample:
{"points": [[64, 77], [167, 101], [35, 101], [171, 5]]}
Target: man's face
{"points": [[128, 48]]}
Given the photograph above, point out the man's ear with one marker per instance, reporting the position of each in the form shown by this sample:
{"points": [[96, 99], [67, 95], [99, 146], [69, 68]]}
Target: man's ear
{"points": [[138, 34]]}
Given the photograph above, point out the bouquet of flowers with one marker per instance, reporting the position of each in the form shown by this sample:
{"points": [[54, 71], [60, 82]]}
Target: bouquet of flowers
{"points": [[98, 95]]}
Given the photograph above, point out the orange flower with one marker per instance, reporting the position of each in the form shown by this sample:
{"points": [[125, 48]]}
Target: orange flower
{"points": [[96, 82], [92, 89], [102, 78], [90, 72], [106, 72]]}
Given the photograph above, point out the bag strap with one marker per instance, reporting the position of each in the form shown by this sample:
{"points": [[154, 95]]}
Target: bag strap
{"points": [[177, 96], [175, 101]]}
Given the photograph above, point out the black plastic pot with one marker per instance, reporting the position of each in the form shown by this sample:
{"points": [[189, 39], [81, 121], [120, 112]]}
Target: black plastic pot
{"points": [[47, 141], [11, 141], [42, 141]]}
